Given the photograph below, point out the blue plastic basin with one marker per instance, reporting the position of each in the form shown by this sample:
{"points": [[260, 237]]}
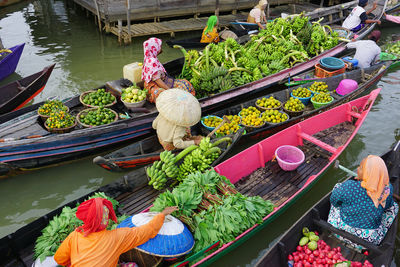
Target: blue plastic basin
{"points": [[331, 63]]}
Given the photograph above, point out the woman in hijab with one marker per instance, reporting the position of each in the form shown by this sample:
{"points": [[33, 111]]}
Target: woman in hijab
{"points": [[257, 14], [92, 245], [210, 33], [364, 206], [154, 75]]}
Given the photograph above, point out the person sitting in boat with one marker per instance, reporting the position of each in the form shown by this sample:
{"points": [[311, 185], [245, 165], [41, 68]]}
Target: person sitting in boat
{"points": [[210, 33], [154, 75], [257, 14], [359, 17], [92, 245], [364, 206], [367, 51], [177, 111]]}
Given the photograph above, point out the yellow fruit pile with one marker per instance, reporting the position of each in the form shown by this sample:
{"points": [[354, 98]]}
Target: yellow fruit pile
{"points": [[294, 104], [252, 120], [319, 87], [322, 98], [274, 116], [301, 92], [269, 103], [228, 128], [249, 111], [212, 121]]}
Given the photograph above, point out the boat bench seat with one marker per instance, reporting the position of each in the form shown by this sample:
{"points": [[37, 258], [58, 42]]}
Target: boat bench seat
{"points": [[317, 142]]}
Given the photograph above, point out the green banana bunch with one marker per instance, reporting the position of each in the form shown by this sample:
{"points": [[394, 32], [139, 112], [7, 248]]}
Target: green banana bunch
{"points": [[158, 178], [169, 167]]}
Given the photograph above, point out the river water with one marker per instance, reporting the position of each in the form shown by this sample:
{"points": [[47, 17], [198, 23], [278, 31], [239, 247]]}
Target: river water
{"points": [[54, 32]]}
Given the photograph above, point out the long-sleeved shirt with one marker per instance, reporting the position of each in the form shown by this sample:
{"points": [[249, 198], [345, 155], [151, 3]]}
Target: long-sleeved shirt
{"points": [[356, 208], [367, 52], [171, 133], [103, 248]]}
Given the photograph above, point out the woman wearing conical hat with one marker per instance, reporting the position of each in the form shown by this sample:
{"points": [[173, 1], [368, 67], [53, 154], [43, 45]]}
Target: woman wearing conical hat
{"points": [[257, 14], [177, 111]]}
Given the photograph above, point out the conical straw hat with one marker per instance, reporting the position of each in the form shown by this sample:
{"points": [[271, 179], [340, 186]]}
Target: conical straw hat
{"points": [[174, 238], [179, 107]]}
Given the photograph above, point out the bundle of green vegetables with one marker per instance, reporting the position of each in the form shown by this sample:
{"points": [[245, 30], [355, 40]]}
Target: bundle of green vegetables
{"points": [[62, 225], [222, 212], [282, 44]]}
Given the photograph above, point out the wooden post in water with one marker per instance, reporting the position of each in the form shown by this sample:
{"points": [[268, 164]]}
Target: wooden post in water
{"points": [[119, 31], [98, 14], [128, 21]]}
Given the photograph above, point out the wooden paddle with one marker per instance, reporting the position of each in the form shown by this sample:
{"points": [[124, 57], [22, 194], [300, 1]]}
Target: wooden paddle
{"points": [[225, 120], [350, 172]]}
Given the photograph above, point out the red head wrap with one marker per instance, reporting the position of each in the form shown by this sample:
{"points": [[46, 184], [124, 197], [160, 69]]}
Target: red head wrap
{"points": [[91, 212]]}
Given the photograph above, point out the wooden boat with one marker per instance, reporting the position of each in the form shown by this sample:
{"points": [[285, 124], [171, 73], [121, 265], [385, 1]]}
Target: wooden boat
{"points": [[15, 95], [122, 159], [9, 63], [334, 129], [145, 152], [316, 220], [322, 138]]}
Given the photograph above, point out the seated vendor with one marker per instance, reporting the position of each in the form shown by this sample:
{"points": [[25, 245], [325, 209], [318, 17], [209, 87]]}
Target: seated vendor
{"points": [[154, 75], [178, 110], [257, 14], [92, 245], [210, 33], [359, 17], [367, 51], [364, 206]]}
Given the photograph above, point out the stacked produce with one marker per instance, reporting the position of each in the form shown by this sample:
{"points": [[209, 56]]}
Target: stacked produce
{"points": [[294, 104], [274, 116], [51, 107], [212, 208], [301, 92], [312, 251], [281, 45], [394, 48], [133, 94], [269, 103], [62, 225], [98, 116], [60, 119], [212, 121], [319, 87], [253, 120], [249, 111], [322, 98], [231, 127], [195, 158], [98, 98]]}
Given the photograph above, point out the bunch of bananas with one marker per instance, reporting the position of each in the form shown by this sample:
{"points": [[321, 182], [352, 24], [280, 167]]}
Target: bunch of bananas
{"points": [[160, 171]]}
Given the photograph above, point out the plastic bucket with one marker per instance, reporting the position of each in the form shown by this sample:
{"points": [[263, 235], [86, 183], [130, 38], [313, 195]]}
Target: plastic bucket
{"points": [[319, 104], [289, 157], [346, 86]]}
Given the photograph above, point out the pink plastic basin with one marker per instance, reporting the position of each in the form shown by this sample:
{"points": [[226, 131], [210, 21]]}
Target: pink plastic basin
{"points": [[346, 86], [289, 157]]}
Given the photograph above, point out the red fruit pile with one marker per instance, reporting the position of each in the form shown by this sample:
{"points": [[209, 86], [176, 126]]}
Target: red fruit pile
{"points": [[323, 256]]}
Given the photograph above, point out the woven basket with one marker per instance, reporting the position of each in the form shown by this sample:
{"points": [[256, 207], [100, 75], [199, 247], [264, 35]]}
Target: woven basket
{"points": [[264, 109], [271, 123], [86, 111], [45, 117], [60, 130], [252, 128], [91, 106], [293, 113], [141, 258]]}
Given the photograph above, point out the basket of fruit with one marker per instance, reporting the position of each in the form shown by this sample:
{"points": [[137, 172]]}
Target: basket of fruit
{"points": [[49, 108], [322, 99], [268, 103], [229, 128], [60, 122], [133, 97], [98, 98], [319, 87], [294, 107], [274, 116], [92, 117], [303, 94], [210, 122], [252, 122], [249, 111]]}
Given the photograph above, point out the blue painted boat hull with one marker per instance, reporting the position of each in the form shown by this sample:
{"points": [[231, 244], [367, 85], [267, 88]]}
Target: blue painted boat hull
{"points": [[9, 63]]}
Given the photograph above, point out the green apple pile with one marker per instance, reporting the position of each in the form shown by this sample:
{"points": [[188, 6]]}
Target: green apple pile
{"points": [[133, 95]]}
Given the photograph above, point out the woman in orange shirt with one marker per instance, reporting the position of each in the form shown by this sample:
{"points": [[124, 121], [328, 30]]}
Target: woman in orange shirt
{"points": [[92, 245], [210, 33]]}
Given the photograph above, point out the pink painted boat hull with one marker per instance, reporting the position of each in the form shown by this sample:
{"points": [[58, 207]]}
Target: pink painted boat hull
{"points": [[256, 156]]}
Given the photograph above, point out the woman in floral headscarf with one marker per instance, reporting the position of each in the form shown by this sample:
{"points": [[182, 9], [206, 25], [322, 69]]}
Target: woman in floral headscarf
{"points": [[92, 245], [364, 207], [154, 75]]}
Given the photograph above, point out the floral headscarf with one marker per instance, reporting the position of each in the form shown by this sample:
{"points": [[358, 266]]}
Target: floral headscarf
{"points": [[375, 179], [95, 214], [151, 64]]}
